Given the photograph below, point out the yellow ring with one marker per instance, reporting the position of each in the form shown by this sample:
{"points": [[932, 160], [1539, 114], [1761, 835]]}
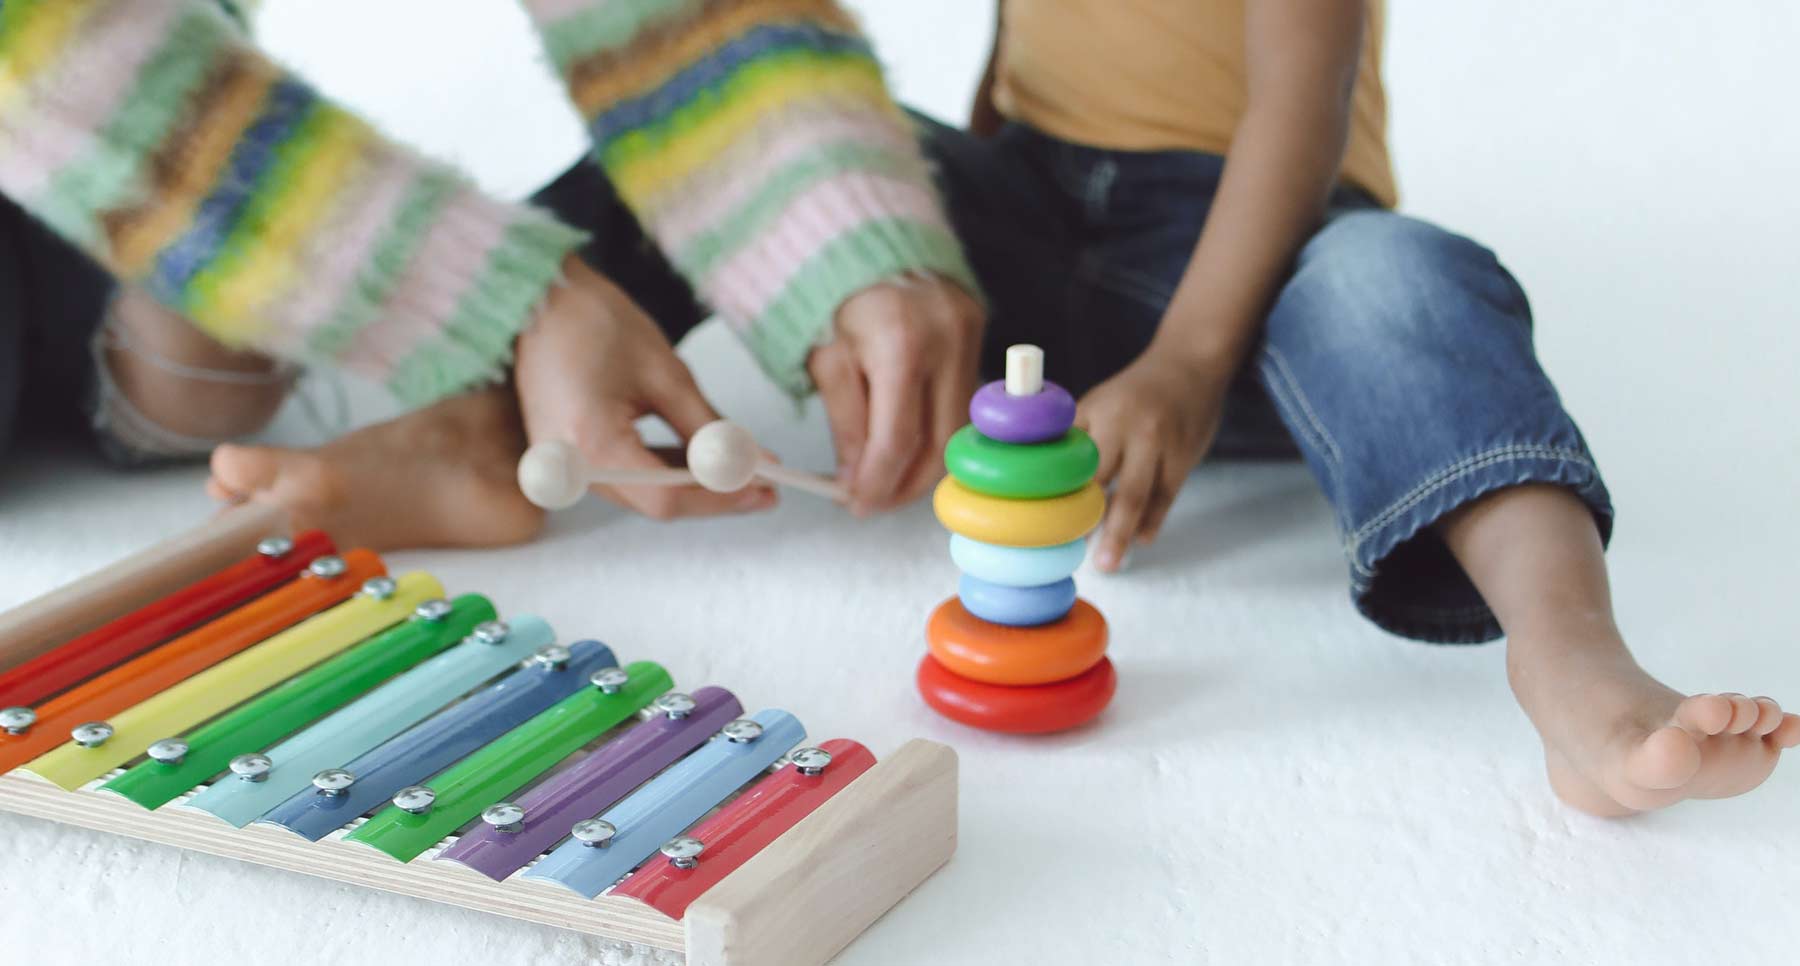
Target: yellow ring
{"points": [[1018, 523]]}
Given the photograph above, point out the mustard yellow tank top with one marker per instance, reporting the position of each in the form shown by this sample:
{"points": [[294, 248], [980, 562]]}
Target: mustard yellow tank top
{"points": [[1146, 75]]}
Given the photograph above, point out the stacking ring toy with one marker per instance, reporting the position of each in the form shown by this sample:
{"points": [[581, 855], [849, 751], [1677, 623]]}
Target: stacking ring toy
{"points": [[1018, 523], [1043, 415], [995, 654], [1023, 711], [1016, 606], [1016, 566], [1019, 472]]}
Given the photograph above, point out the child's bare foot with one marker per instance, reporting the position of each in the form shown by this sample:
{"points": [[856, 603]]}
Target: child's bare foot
{"points": [[443, 476], [1618, 741]]}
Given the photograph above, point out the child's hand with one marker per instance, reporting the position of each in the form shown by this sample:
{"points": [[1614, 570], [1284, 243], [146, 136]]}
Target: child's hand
{"points": [[1153, 422], [589, 366], [896, 382]]}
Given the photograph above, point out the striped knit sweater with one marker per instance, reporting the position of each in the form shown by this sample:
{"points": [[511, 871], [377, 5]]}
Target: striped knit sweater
{"points": [[753, 138]]}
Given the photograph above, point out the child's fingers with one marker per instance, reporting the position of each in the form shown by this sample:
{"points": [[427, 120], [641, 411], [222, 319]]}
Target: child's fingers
{"points": [[1127, 507], [1110, 453], [1161, 499]]}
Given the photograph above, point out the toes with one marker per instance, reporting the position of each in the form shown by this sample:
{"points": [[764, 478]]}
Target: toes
{"points": [[1768, 717], [1744, 713], [1786, 734], [1669, 758], [218, 491], [243, 470], [1706, 714]]}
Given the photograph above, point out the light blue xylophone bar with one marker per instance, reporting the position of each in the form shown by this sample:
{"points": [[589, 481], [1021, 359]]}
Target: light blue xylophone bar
{"points": [[377, 716], [440, 741], [667, 804]]}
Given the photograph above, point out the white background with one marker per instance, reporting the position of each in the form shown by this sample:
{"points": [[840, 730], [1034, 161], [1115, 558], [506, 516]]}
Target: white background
{"points": [[1278, 782]]}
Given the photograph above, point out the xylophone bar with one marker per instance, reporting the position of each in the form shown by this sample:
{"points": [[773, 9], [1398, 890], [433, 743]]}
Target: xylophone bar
{"points": [[146, 576], [593, 785], [275, 562], [745, 827], [796, 903]]}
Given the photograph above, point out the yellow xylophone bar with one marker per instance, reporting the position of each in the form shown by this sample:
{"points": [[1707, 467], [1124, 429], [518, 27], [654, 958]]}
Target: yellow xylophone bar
{"points": [[229, 683]]}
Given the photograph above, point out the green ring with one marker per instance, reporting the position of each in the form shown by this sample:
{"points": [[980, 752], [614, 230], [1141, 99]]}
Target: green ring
{"points": [[1013, 471]]}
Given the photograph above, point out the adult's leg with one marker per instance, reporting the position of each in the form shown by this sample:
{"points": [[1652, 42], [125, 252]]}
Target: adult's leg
{"points": [[151, 386], [12, 336], [1401, 358]]}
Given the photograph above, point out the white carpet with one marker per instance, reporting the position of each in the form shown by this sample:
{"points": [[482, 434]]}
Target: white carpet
{"points": [[1278, 782]]}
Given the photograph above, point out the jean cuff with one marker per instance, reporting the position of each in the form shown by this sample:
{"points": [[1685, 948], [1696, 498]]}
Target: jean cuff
{"points": [[1403, 577]]}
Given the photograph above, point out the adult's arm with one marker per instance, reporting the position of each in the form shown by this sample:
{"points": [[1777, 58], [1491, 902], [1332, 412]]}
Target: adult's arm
{"points": [[155, 136], [757, 144]]}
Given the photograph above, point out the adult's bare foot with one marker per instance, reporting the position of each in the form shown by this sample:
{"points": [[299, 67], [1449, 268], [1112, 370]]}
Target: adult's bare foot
{"points": [[442, 476]]}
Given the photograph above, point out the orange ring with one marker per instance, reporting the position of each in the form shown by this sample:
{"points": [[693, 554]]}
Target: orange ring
{"points": [[972, 648]]}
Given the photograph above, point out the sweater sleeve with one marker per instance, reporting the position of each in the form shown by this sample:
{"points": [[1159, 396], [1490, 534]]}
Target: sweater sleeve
{"points": [[154, 136], [756, 143]]}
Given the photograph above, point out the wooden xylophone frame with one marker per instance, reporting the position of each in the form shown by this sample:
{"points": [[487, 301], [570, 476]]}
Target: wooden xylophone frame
{"points": [[797, 902]]}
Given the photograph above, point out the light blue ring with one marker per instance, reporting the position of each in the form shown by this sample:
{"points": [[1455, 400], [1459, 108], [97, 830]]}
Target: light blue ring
{"points": [[1016, 566], [1016, 606]]}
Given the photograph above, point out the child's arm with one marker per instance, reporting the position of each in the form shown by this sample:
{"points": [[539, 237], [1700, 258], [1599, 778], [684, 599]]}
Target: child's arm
{"points": [[1156, 419], [984, 115]]}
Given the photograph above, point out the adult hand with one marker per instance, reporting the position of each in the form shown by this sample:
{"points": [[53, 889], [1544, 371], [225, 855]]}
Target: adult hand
{"points": [[1153, 421], [589, 366], [896, 380]]}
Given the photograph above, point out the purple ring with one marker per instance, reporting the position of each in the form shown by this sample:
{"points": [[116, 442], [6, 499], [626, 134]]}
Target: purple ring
{"points": [[1022, 419]]}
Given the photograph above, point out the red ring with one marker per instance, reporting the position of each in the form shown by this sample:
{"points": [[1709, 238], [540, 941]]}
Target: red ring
{"points": [[1026, 710]]}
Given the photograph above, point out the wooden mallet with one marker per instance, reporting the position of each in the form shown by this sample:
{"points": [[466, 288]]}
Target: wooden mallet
{"points": [[722, 457]]}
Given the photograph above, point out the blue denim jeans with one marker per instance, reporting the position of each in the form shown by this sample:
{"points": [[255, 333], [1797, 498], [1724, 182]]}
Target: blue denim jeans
{"points": [[1397, 360]]}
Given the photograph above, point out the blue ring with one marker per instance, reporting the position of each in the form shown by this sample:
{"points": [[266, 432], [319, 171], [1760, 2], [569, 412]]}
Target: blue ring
{"points": [[1016, 606], [1016, 566]]}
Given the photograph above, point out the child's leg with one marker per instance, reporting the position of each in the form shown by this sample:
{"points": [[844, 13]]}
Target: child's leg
{"points": [[1400, 356]]}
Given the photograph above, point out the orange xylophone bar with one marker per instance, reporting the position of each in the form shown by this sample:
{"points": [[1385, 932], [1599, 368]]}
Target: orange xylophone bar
{"points": [[276, 561], [328, 580]]}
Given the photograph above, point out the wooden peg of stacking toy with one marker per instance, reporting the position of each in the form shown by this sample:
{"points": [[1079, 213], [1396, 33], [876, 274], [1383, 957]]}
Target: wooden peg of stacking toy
{"points": [[722, 457], [1016, 650]]}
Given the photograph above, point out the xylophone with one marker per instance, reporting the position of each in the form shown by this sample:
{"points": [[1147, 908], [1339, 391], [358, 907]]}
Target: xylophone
{"points": [[270, 699]]}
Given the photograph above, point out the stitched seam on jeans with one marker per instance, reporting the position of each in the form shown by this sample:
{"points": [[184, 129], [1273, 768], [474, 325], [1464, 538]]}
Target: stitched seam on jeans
{"points": [[1451, 474], [1315, 426]]}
